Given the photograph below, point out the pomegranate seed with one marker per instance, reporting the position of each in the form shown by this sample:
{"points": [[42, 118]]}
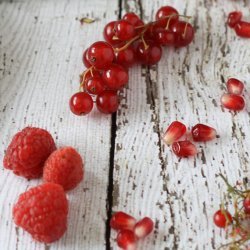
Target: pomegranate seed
{"points": [[201, 132], [233, 18], [121, 220], [233, 102], [126, 240], [222, 218], [246, 204], [184, 148], [242, 29], [144, 227], [235, 86], [174, 132]]}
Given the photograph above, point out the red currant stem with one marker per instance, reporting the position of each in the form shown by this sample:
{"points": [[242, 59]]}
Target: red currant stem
{"points": [[185, 30], [144, 43], [169, 19], [84, 76], [127, 44]]}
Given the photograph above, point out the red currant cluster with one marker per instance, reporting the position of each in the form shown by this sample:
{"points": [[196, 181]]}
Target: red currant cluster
{"points": [[241, 28], [130, 231], [128, 41], [233, 99], [199, 133], [238, 225]]}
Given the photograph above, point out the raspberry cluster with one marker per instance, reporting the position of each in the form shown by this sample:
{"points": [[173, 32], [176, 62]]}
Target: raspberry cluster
{"points": [[127, 41], [236, 224], [129, 230], [42, 211]]}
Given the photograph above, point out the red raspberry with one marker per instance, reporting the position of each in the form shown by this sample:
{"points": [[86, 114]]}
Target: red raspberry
{"points": [[42, 211], [64, 167], [28, 151]]}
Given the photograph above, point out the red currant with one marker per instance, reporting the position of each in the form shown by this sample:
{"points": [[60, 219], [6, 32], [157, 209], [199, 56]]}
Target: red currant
{"points": [[184, 33], [85, 59], [107, 102], [124, 30], [242, 29], [164, 37], [95, 85], [115, 77], [222, 218], [100, 54], [88, 75], [150, 55], [163, 12], [233, 18], [133, 19], [125, 57], [81, 103], [246, 204], [108, 33]]}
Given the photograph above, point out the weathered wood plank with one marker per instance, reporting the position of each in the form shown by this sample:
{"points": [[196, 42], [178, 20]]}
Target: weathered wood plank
{"points": [[41, 47], [182, 195]]}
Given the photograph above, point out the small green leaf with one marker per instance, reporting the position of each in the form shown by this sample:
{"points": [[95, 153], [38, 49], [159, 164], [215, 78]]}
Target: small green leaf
{"points": [[86, 20]]}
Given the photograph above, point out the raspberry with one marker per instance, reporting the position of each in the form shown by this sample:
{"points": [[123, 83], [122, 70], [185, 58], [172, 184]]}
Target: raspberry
{"points": [[64, 167], [28, 151], [42, 211]]}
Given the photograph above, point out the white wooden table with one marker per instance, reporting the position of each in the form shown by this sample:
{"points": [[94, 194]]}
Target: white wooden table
{"points": [[127, 166]]}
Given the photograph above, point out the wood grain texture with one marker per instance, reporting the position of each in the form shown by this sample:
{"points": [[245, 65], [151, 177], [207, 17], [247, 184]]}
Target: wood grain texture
{"points": [[41, 47], [181, 195], [40, 60]]}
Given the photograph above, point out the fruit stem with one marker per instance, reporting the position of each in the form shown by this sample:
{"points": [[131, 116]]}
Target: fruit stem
{"points": [[90, 69]]}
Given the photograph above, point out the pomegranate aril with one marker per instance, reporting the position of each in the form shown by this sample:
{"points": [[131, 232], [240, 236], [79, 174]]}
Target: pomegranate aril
{"points": [[125, 57], [184, 148], [235, 86], [95, 85], [201, 132], [107, 102], [242, 29], [233, 102], [85, 59], [222, 218], [246, 205], [81, 103], [133, 19], [126, 240], [121, 221], [233, 18], [184, 33], [144, 227], [108, 33], [124, 30], [115, 77], [163, 12], [149, 55], [174, 132], [100, 54]]}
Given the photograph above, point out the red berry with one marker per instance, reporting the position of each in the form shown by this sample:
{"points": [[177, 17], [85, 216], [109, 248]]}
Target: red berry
{"points": [[28, 151], [174, 132], [164, 12], [201, 132], [233, 102], [235, 86], [95, 85], [81, 103], [100, 54], [144, 227], [184, 148], [124, 30], [233, 18], [107, 102], [42, 211], [242, 29], [126, 57], [184, 33], [149, 55], [222, 218], [133, 19], [164, 37], [109, 33], [246, 204], [64, 167], [115, 77], [88, 75], [85, 59], [121, 221], [126, 240]]}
